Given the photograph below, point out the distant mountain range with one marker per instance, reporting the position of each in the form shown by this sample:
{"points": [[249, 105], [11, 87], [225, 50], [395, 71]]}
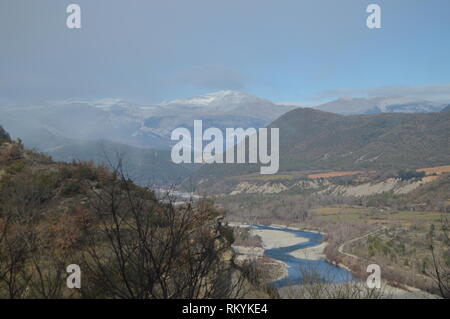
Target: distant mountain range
{"points": [[150, 125], [75, 129], [349, 106], [87, 130], [147, 126]]}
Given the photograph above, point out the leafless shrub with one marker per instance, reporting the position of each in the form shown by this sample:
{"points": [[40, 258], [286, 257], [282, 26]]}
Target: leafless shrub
{"points": [[439, 270], [145, 248]]}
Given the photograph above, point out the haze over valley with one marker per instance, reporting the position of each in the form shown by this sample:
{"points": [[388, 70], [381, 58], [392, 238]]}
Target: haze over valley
{"points": [[224, 150]]}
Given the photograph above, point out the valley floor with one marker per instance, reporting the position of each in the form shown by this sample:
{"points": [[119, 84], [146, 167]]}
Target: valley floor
{"points": [[272, 238]]}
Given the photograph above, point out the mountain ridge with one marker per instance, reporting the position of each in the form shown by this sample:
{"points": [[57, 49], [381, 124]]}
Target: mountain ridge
{"points": [[392, 104], [140, 125], [316, 140]]}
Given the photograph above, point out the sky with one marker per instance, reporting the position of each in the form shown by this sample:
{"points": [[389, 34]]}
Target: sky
{"points": [[284, 50]]}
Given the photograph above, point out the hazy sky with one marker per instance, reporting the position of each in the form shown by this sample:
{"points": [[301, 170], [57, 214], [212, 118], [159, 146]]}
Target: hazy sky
{"points": [[284, 50]]}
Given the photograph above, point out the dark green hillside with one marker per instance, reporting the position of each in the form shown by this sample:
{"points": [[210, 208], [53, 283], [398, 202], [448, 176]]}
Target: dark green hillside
{"points": [[379, 141], [144, 166], [4, 136], [311, 139]]}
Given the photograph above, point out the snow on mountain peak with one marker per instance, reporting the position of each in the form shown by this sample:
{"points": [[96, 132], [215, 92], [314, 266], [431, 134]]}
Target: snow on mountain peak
{"points": [[215, 98], [103, 103]]}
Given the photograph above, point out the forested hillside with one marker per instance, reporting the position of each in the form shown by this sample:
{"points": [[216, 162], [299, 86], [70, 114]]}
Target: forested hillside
{"points": [[312, 139]]}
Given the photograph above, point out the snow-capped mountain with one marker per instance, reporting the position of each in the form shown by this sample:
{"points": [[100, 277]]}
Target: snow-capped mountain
{"points": [[104, 103], [380, 105], [143, 125], [227, 103], [221, 98], [151, 125]]}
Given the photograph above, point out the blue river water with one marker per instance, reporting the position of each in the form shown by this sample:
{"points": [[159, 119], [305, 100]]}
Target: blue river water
{"points": [[297, 267]]}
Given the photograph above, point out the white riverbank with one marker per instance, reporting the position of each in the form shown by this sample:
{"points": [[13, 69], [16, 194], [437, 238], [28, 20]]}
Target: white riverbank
{"points": [[277, 238], [273, 238], [310, 253], [270, 239]]}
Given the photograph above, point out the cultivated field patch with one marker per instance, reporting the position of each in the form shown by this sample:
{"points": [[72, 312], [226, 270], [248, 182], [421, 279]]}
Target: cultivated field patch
{"points": [[435, 170], [334, 174]]}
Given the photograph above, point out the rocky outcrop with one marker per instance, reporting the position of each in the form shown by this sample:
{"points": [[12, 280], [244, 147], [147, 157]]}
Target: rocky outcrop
{"points": [[394, 185], [267, 188], [327, 187]]}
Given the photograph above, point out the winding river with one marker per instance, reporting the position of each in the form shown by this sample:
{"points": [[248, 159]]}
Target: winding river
{"points": [[297, 266]]}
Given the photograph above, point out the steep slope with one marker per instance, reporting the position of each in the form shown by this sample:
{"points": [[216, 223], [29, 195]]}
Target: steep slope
{"points": [[144, 166], [379, 141], [54, 214], [312, 139]]}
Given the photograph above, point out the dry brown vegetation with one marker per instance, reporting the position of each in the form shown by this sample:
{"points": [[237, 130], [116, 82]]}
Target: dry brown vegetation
{"points": [[334, 174], [128, 243], [435, 170]]}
